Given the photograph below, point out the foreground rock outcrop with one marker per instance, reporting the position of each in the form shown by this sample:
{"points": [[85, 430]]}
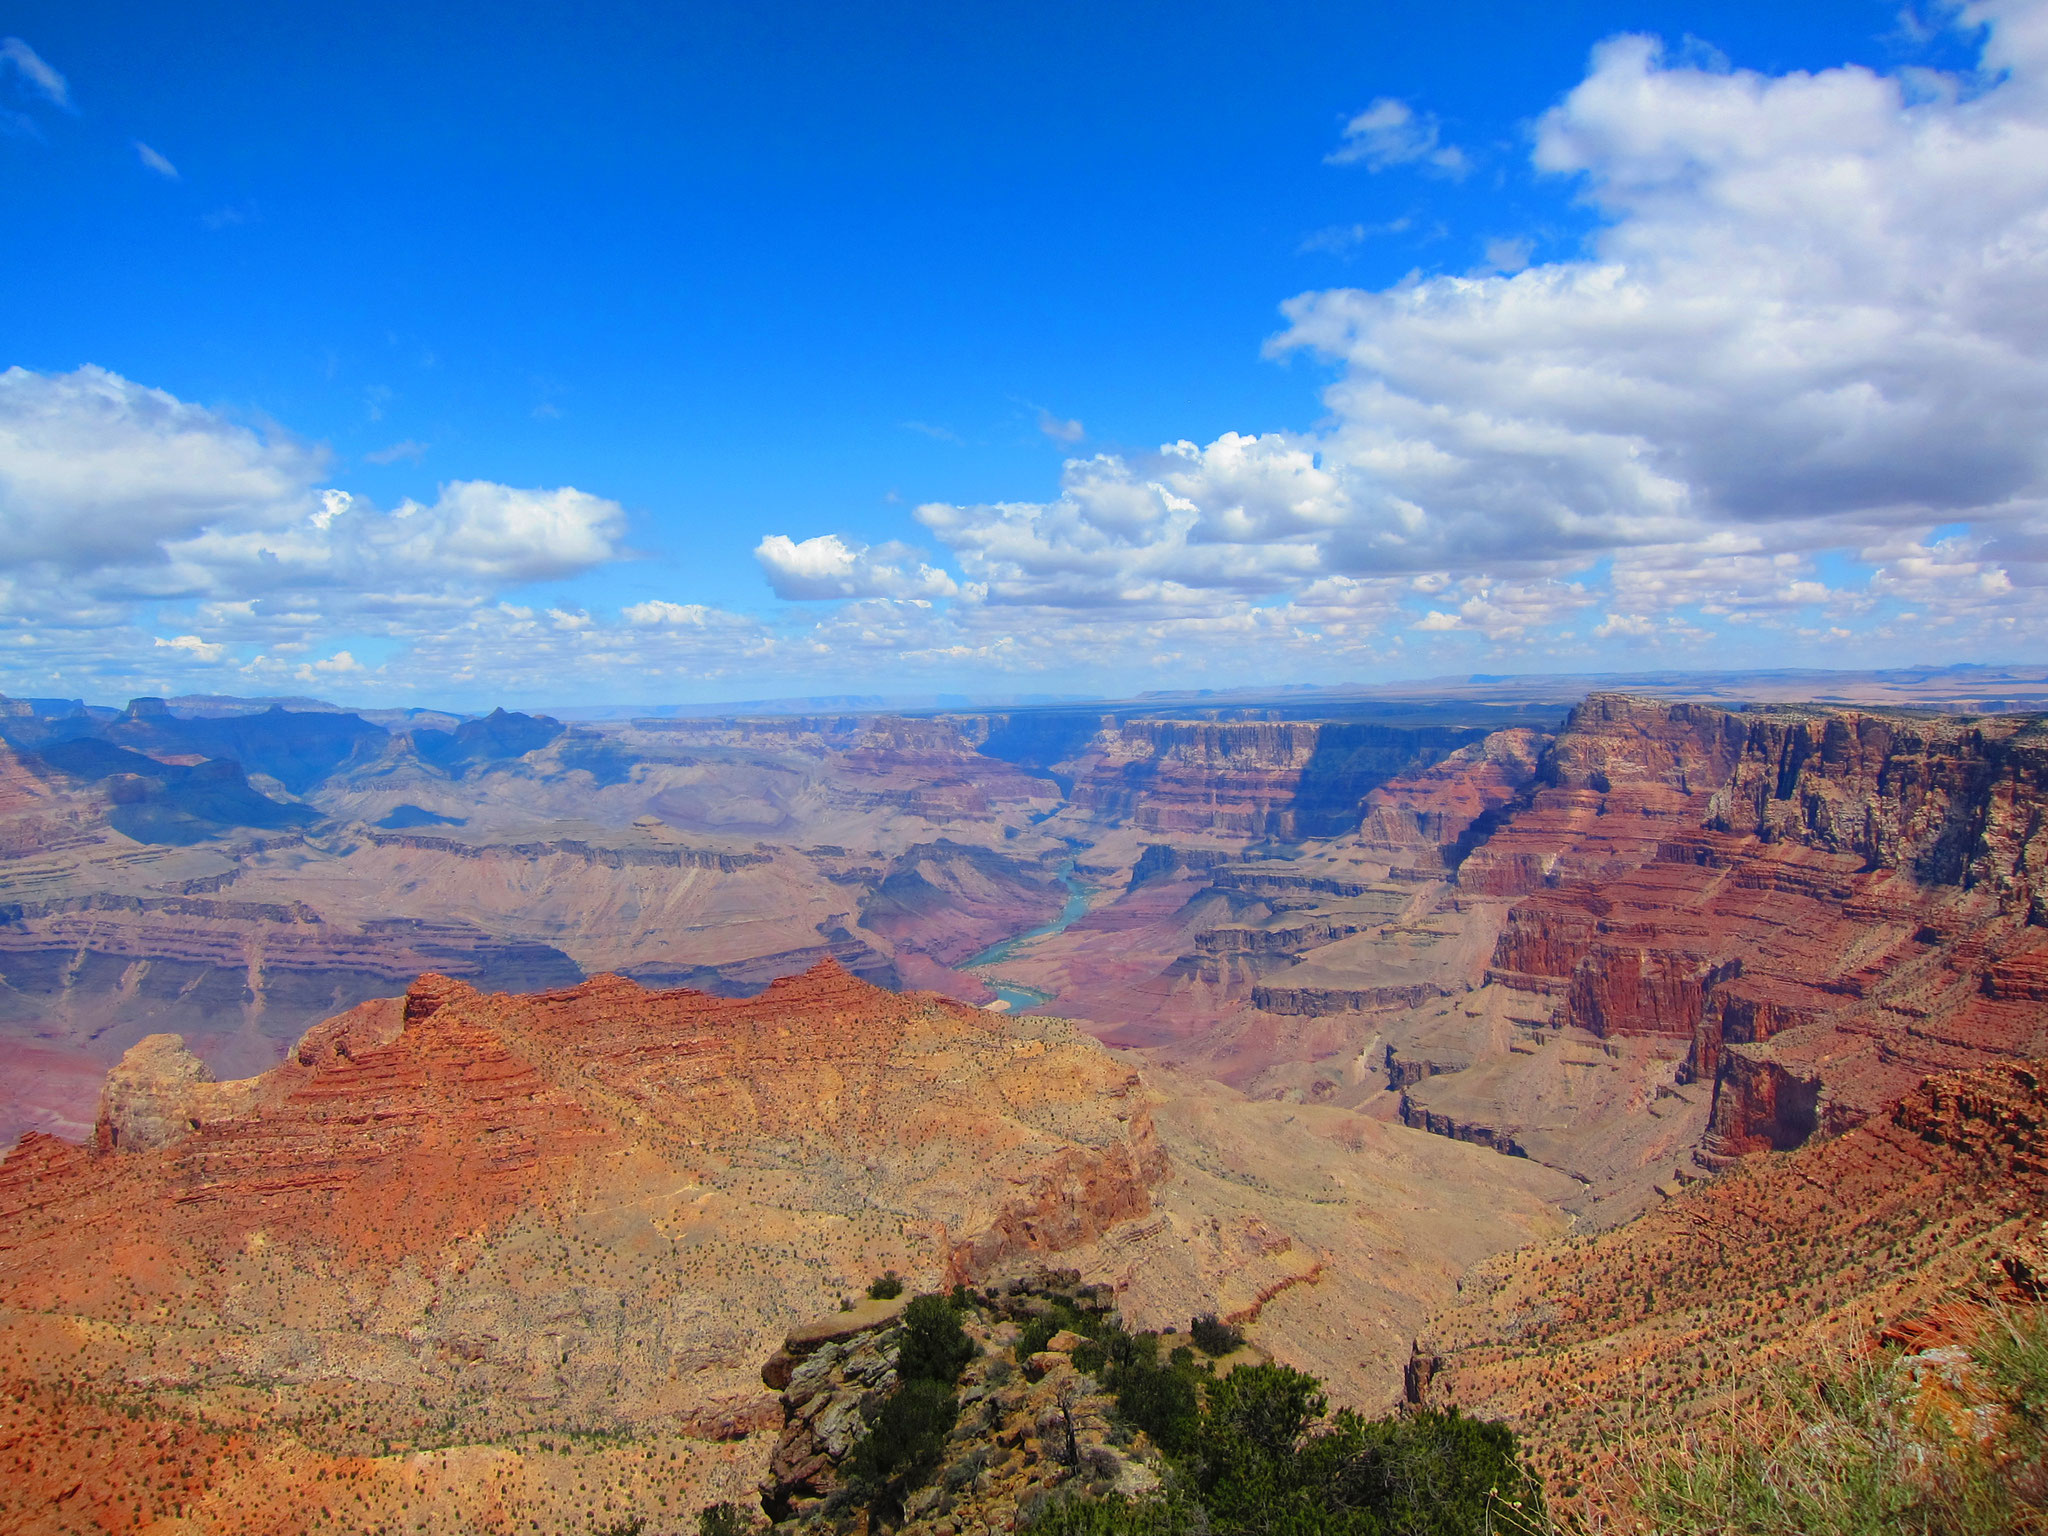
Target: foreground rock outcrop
{"points": [[1024, 1432]]}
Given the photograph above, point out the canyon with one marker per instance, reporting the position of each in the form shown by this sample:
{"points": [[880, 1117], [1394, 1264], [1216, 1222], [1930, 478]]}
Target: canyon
{"points": [[455, 1112], [465, 1258]]}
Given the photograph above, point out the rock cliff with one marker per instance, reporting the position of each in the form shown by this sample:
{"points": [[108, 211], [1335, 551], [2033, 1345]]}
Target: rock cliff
{"points": [[1831, 926]]}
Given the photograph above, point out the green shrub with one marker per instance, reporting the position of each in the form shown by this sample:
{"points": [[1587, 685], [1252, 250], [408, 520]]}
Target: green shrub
{"points": [[1213, 1336], [1036, 1334], [1253, 1452], [723, 1520], [1116, 1516], [934, 1346], [886, 1287], [1162, 1400], [903, 1445]]}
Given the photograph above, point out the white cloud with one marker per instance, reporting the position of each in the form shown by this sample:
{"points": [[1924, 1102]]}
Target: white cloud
{"points": [[340, 664], [407, 449], [116, 499], [1390, 132], [656, 612], [193, 646], [96, 470], [1813, 326], [829, 567], [1060, 430], [155, 161], [16, 56], [495, 533]]}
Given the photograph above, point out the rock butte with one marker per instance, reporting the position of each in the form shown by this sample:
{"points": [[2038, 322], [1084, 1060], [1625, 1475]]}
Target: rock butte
{"points": [[458, 1225]]}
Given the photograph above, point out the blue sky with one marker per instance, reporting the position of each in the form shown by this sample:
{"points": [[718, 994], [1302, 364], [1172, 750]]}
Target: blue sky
{"points": [[871, 275]]}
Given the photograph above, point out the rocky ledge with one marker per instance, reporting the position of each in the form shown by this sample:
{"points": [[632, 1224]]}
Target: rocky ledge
{"points": [[1023, 1431]]}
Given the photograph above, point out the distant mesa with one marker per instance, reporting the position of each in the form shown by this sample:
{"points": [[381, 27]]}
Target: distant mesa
{"points": [[498, 737], [403, 817]]}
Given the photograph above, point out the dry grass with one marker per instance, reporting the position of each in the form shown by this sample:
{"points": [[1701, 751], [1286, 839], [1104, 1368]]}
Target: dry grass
{"points": [[1947, 1442]]}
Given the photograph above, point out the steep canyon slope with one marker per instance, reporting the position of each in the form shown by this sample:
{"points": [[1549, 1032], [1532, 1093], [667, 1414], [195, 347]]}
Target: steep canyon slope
{"points": [[235, 878], [472, 1261]]}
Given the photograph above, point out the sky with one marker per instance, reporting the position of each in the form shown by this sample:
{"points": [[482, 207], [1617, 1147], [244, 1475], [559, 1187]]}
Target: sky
{"points": [[537, 354]]}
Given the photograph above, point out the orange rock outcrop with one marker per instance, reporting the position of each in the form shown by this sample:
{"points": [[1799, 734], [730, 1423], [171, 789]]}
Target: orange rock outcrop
{"points": [[466, 1220]]}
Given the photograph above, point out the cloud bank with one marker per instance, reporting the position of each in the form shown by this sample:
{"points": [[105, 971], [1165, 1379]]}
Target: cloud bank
{"points": [[1791, 396], [1803, 368]]}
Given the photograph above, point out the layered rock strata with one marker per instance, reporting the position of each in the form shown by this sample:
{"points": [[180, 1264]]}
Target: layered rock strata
{"points": [[1652, 1332], [469, 1223]]}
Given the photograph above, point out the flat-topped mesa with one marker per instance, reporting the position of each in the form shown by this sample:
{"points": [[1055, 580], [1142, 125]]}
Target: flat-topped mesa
{"points": [[1251, 778]]}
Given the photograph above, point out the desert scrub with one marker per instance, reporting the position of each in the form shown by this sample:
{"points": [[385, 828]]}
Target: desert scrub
{"points": [[1213, 1336], [1947, 1442], [934, 1346]]}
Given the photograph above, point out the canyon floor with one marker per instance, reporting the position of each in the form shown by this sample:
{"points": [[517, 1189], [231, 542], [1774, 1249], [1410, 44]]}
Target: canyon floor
{"points": [[434, 1123]]}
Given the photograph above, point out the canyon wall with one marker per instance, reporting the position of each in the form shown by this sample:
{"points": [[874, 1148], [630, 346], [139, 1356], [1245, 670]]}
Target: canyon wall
{"points": [[1821, 905]]}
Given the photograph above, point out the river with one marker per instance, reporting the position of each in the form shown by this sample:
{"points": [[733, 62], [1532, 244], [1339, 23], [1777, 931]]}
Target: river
{"points": [[1017, 997]]}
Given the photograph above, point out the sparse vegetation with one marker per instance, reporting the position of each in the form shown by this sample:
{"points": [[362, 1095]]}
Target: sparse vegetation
{"points": [[1948, 1441]]}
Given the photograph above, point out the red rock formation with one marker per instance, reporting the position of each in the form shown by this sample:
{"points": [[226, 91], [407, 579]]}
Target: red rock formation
{"points": [[1826, 906], [1650, 1332], [1284, 779], [479, 1105], [586, 1207]]}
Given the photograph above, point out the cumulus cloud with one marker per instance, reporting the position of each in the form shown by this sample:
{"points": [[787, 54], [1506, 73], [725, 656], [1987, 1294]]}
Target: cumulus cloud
{"points": [[124, 488], [1812, 327], [195, 647], [1389, 133], [829, 567], [495, 534], [95, 470], [118, 501]]}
